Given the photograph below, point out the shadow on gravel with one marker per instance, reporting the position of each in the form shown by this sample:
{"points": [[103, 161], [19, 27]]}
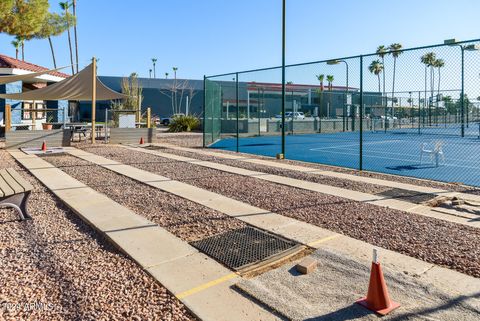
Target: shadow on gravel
{"points": [[355, 311]]}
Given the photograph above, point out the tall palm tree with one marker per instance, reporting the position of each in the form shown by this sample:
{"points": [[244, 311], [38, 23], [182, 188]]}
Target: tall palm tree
{"points": [[154, 61], [438, 63], [320, 78], [428, 60], [330, 87], [382, 51], [166, 75], [376, 68], [65, 6], [74, 7], [395, 51], [54, 25], [17, 44]]}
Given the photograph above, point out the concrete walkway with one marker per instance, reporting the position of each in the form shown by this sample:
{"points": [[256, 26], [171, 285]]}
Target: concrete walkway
{"points": [[314, 236], [309, 170], [201, 283], [378, 200]]}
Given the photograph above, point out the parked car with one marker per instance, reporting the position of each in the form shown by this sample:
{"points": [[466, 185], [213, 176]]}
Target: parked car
{"points": [[289, 114], [167, 120]]}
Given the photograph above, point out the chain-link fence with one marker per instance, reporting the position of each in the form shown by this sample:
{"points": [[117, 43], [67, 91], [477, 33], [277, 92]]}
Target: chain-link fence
{"points": [[412, 112]]}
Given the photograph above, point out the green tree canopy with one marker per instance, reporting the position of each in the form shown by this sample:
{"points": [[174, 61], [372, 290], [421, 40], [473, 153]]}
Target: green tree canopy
{"points": [[22, 18]]}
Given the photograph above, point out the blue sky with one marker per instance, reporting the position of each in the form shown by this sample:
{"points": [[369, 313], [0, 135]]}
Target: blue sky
{"points": [[217, 36]]}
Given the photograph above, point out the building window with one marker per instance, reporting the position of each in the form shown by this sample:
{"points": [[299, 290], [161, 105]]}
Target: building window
{"points": [[33, 109]]}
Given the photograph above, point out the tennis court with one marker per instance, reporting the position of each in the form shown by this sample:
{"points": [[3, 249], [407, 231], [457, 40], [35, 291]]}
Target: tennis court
{"points": [[447, 156]]}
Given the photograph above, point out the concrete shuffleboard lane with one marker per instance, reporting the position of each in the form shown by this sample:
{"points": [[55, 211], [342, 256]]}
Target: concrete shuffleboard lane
{"points": [[299, 231], [201, 283], [377, 200]]}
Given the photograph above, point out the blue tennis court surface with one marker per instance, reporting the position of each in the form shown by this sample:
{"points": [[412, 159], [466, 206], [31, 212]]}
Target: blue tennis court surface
{"points": [[395, 152]]}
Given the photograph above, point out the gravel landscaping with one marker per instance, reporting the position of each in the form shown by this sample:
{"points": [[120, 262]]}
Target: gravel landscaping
{"points": [[394, 178], [326, 180], [183, 218], [435, 241], [55, 267]]}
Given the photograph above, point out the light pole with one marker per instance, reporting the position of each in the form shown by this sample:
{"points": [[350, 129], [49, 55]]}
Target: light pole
{"points": [[472, 47], [336, 62]]}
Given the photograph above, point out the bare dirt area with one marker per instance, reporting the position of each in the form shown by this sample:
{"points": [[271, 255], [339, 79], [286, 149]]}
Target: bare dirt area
{"points": [[55, 267], [443, 243], [185, 219]]}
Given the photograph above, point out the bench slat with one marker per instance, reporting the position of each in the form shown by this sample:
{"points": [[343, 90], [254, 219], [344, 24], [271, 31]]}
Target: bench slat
{"points": [[17, 188], [4, 187], [20, 180]]}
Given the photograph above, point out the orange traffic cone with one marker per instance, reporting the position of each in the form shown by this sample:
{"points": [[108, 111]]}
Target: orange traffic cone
{"points": [[44, 146], [141, 141], [377, 298]]}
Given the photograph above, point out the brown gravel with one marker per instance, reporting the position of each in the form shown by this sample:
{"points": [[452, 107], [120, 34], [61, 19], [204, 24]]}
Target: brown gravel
{"points": [[55, 267], [326, 180], [183, 218], [395, 178], [435, 241]]}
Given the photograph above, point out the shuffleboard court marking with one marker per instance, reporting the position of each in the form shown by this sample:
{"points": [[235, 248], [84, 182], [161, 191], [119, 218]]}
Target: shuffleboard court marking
{"points": [[206, 285]]}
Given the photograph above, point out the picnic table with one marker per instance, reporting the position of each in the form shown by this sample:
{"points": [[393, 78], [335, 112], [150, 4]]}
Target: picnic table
{"points": [[82, 128]]}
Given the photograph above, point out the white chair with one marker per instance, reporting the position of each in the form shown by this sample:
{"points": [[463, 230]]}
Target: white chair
{"points": [[435, 154]]}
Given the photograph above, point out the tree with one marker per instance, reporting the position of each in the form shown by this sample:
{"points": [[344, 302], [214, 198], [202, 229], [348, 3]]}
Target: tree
{"points": [[166, 75], [382, 51], [320, 78], [428, 60], [154, 62], [74, 7], [65, 6], [17, 43], [330, 87], [22, 17], [175, 86], [438, 63], [376, 68], [54, 25], [395, 51]]}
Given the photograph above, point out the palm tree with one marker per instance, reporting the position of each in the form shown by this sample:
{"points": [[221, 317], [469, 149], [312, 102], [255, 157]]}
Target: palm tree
{"points": [[382, 51], [166, 75], [74, 7], [428, 60], [150, 73], [376, 68], [438, 63], [65, 6], [320, 78], [17, 44], [154, 61], [54, 25], [330, 87], [395, 51]]}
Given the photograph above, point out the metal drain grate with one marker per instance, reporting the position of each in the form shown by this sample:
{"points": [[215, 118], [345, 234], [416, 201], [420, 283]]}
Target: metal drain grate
{"points": [[243, 247], [406, 195]]}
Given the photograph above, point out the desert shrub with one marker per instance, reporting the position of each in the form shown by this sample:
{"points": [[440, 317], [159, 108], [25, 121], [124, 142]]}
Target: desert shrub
{"points": [[184, 123]]}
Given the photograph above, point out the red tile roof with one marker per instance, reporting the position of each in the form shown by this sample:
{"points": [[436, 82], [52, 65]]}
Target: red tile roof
{"points": [[9, 62]]}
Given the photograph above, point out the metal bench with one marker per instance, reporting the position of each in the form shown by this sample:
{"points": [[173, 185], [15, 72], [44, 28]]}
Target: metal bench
{"points": [[14, 192]]}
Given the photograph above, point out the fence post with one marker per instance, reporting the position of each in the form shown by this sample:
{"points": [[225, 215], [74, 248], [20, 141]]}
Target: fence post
{"points": [[149, 117], [361, 113], [238, 110], [8, 118], [204, 109]]}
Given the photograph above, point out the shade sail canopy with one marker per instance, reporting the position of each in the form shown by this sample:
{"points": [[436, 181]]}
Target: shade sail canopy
{"points": [[29, 76], [77, 87]]}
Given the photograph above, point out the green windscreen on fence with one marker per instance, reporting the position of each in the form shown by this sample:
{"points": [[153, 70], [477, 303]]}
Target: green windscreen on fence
{"points": [[213, 109]]}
